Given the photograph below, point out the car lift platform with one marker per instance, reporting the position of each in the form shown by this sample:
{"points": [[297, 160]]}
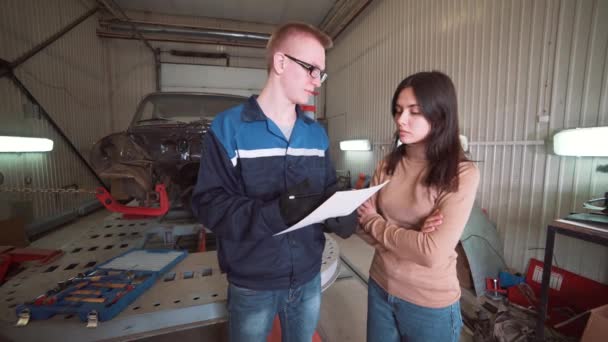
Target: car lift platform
{"points": [[191, 295]]}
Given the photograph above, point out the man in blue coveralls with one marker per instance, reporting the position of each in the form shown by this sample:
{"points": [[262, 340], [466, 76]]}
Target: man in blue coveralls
{"points": [[265, 166]]}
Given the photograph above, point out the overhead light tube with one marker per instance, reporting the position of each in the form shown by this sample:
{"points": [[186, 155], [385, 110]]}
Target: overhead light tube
{"points": [[582, 142], [24, 144], [355, 145]]}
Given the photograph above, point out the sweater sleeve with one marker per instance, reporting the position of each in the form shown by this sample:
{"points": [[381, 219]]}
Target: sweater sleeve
{"points": [[428, 249], [364, 235]]}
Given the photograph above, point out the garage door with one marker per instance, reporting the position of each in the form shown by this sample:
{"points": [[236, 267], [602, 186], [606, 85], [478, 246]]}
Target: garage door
{"points": [[212, 79]]}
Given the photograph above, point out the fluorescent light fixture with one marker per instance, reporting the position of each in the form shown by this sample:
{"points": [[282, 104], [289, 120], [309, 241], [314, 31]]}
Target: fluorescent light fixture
{"points": [[23, 144], [464, 142], [355, 145], [582, 142]]}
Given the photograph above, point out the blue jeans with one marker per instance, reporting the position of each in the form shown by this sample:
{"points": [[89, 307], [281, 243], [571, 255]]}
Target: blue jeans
{"points": [[392, 319], [252, 312]]}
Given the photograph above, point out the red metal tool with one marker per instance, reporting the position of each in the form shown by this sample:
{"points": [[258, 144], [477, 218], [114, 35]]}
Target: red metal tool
{"points": [[493, 289], [12, 257], [202, 240], [112, 205], [120, 295]]}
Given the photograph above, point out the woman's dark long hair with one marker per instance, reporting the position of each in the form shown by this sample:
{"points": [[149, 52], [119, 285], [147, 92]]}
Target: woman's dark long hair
{"points": [[436, 97]]}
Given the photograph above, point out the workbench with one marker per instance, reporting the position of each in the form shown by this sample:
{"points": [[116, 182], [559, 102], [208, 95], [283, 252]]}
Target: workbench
{"points": [[196, 297], [591, 232]]}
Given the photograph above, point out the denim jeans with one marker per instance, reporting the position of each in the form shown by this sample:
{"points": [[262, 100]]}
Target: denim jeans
{"points": [[392, 319], [251, 312]]}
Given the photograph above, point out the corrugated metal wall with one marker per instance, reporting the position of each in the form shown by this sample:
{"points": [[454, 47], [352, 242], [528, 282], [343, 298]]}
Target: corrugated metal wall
{"points": [[516, 64], [71, 79], [132, 75], [66, 78]]}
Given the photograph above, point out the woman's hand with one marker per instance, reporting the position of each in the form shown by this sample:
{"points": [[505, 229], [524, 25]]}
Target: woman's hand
{"points": [[365, 211], [432, 221]]}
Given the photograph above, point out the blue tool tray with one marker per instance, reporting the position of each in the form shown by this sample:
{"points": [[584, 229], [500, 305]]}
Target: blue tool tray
{"points": [[107, 289]]}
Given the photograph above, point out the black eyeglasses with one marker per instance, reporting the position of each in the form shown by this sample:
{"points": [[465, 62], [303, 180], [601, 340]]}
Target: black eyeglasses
{"points": [[313, 71]]}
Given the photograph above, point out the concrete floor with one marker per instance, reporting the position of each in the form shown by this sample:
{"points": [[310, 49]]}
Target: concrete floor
{"points": [[344, 305]]}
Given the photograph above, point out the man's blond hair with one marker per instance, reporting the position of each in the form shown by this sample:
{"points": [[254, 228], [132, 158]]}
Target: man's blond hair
{"points": [[288, 30]]}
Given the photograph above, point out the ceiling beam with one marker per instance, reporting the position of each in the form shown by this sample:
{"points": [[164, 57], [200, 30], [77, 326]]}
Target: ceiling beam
{"points": [[181, 29], [341, 15], [160, 38], [200, 22], [118, 13]]}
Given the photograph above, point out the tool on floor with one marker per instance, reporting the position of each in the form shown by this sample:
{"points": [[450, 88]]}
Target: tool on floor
{"points": [[85, 299], [50, 297], [120, 295], [86, 292], [493, 290]]}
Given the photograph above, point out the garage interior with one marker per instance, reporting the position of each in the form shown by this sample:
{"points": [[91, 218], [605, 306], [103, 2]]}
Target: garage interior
{"points": [[75, 71]]}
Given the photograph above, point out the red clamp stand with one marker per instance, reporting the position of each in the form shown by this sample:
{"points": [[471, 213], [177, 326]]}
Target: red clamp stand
{"points": [[112, 205]]}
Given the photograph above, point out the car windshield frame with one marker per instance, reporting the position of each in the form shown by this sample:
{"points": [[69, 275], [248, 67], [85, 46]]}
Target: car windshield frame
{"points": [[193, 108]]}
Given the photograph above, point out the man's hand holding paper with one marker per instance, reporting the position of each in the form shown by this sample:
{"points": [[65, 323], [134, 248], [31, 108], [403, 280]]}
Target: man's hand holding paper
{"points": [[342, 203]]}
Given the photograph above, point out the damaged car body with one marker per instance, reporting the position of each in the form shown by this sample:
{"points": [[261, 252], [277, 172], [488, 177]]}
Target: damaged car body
{"points": [[161, 145]]}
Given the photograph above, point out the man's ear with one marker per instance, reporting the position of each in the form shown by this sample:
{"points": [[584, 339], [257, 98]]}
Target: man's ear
{"points": [[278, 61]]}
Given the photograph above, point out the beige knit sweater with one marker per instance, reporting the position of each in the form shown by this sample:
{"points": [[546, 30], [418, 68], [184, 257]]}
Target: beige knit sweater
{"points": [[418, 267]]}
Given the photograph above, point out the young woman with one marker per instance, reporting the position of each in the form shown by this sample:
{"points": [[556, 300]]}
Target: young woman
{"points": [[413, 292]]}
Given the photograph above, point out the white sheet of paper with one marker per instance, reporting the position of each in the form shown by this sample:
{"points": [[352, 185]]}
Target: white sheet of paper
{"points": [[341, 203]]}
